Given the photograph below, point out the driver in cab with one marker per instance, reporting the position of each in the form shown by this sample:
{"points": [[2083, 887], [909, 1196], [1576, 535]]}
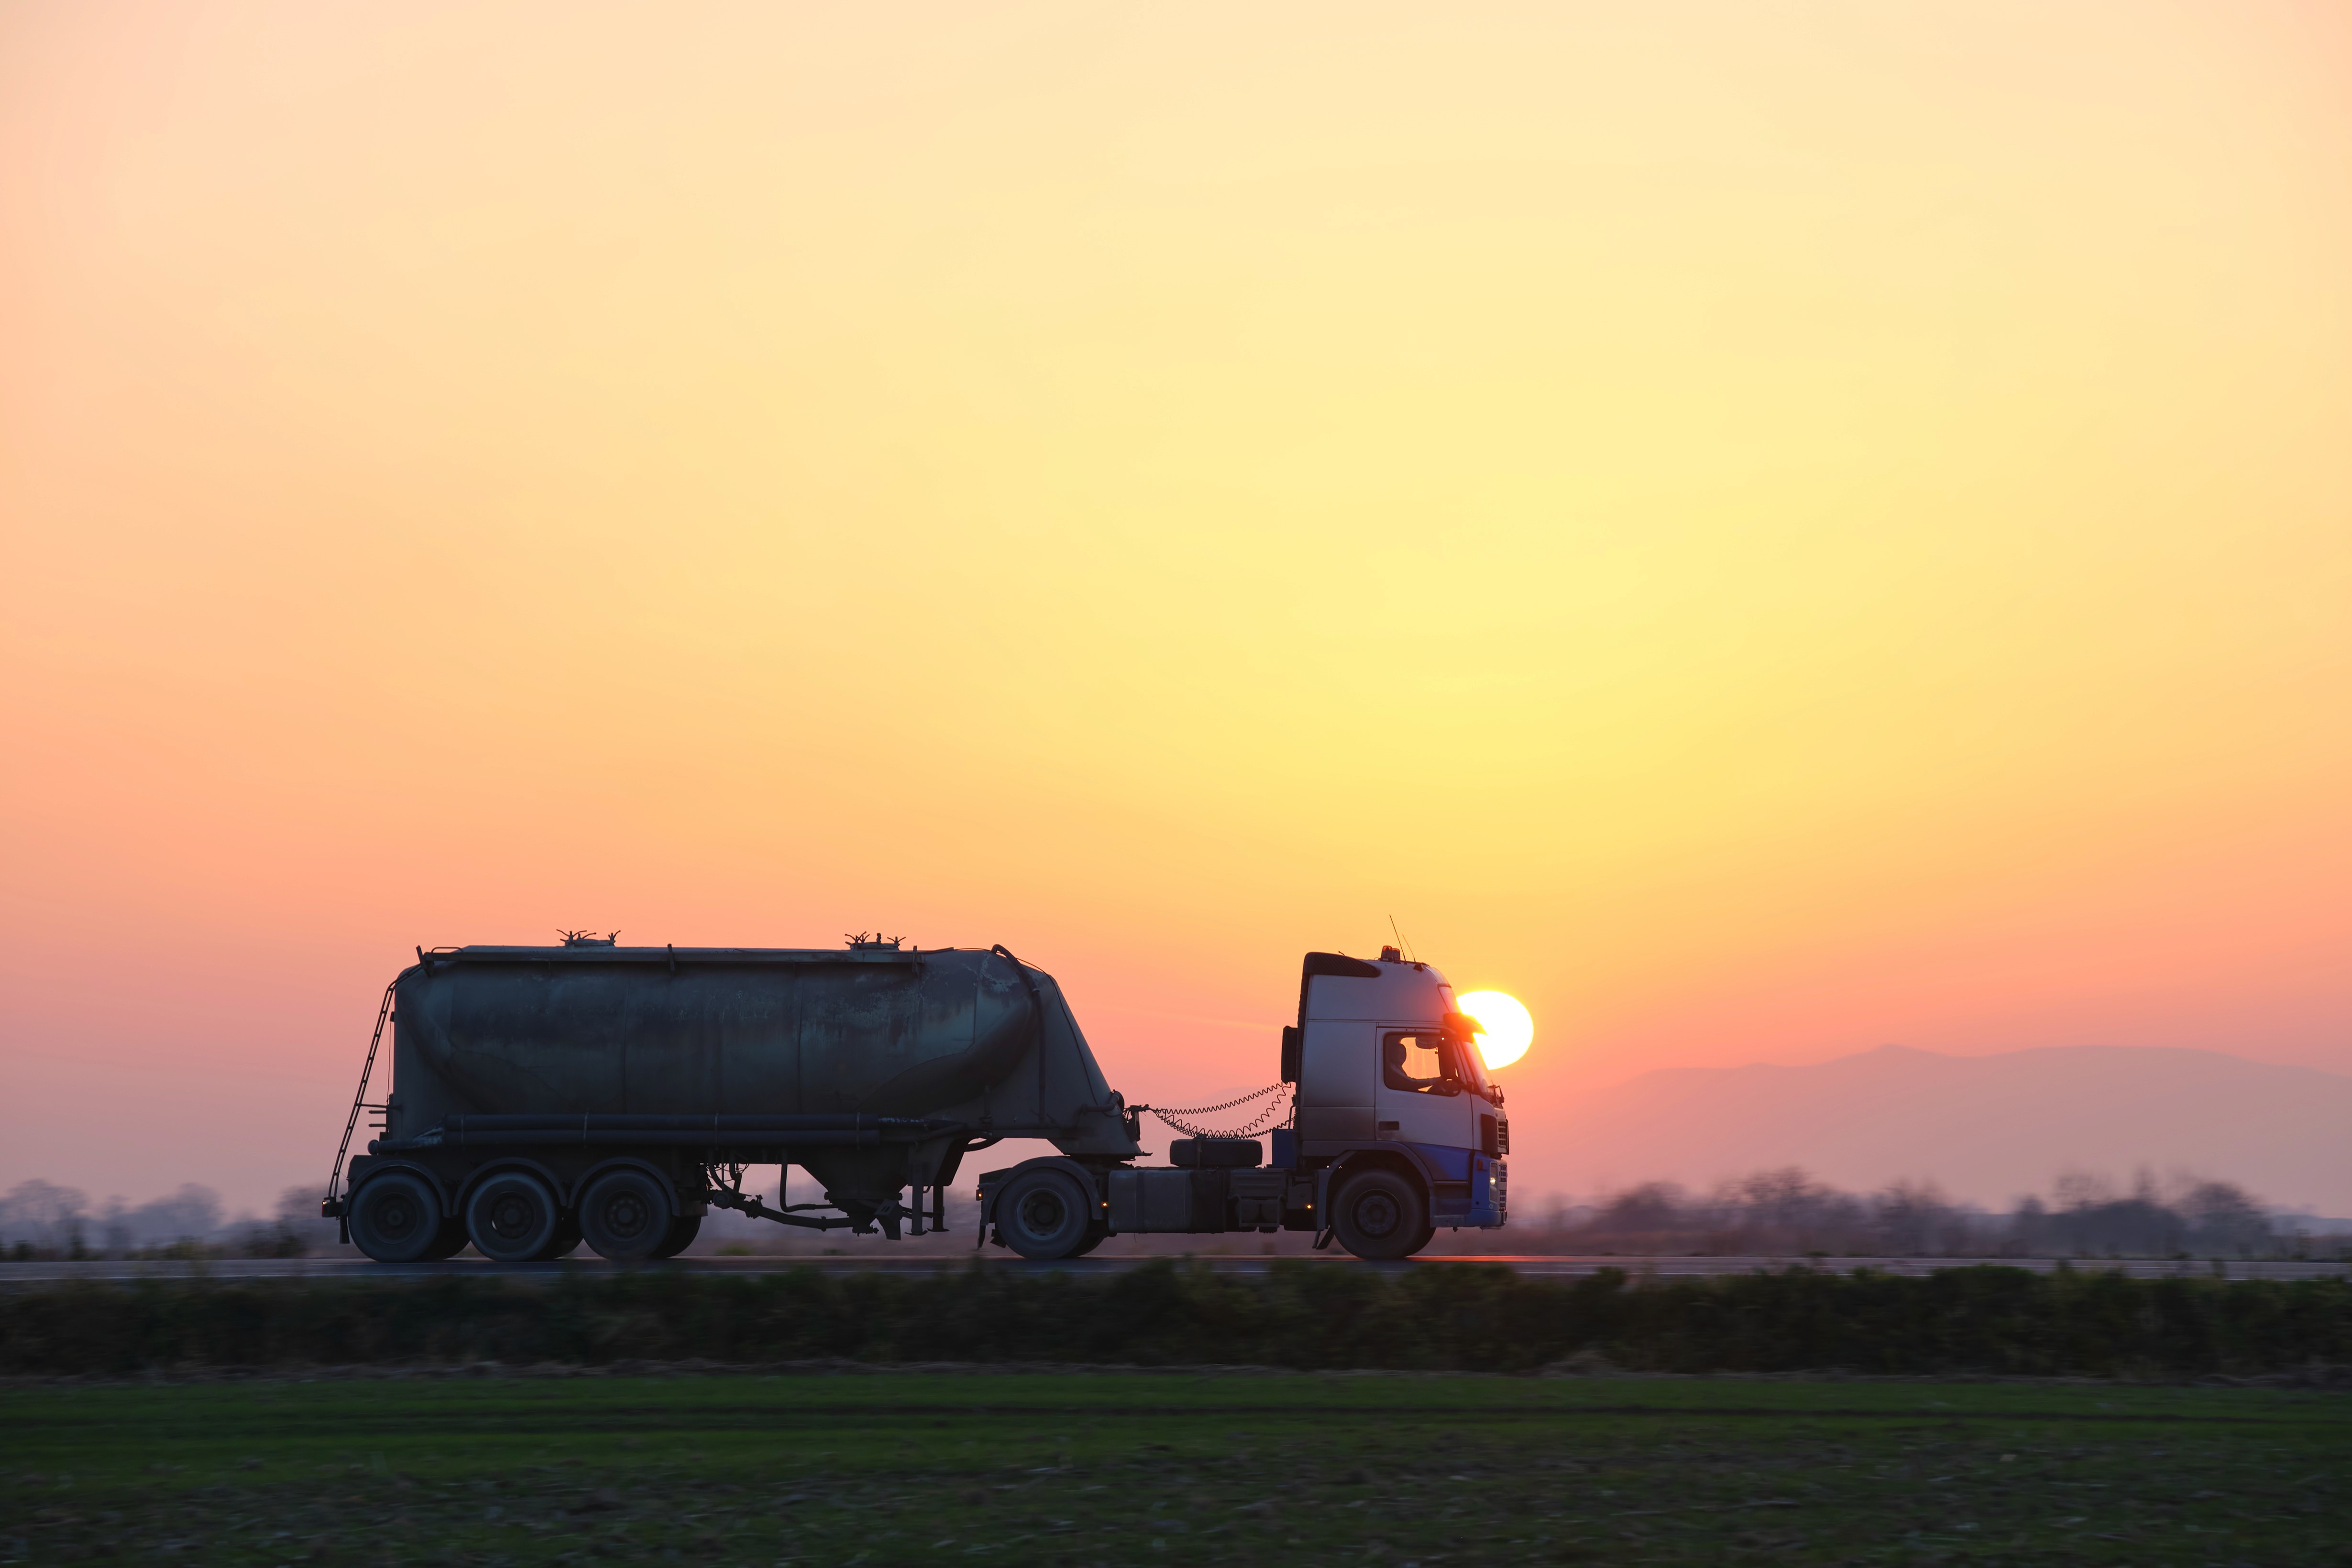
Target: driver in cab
{"points": [[1396, 1073]]}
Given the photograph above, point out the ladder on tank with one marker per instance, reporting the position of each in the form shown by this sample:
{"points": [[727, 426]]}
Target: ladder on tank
{"points": [[329, 1206]]}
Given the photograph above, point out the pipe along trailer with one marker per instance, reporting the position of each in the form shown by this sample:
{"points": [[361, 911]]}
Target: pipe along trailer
{"points": [[544, 1096]]}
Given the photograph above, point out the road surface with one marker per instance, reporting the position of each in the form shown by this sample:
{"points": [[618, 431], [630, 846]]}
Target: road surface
{"points": [[23, 1275]]}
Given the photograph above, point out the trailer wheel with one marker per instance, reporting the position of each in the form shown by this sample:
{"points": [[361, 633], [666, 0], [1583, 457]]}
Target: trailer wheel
{"points": [[510, 1217], [450, 1242], [624, 1215], [680, 1234], [397, 1219], [1043, 1216], [1378, 1215], [565, 1241]]}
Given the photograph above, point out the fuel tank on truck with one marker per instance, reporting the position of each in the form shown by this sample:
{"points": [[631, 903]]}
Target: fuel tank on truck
{"points": [[700, 1030]]}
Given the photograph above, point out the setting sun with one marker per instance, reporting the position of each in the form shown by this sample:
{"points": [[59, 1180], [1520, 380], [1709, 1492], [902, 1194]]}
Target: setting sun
{"points": [[1508, 1026]]}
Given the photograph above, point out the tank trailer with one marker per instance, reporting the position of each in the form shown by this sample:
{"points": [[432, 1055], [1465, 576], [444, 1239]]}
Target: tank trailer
{"points": [[544, 1096]]}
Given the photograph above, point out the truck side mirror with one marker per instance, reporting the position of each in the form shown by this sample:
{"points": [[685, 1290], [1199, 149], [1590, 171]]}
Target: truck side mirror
{"points": [[1290, 1044]]}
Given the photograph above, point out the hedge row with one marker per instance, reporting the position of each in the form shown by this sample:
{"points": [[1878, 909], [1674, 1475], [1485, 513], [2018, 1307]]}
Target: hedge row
{"points": [[1976, 1320]]}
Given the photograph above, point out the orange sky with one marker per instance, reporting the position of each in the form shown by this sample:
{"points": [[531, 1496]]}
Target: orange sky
{"points": [[1762, 530]]}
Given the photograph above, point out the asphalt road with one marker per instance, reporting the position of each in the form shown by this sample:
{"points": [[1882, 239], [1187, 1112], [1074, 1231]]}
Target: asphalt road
{"points": [[22, 1275]]}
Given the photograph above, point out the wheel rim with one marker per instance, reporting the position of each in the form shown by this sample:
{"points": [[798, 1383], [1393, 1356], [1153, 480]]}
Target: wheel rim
{"points": [[397, 1218], [1377, 1214], [1042, 1212], [626, 1217], [510, 1217]]}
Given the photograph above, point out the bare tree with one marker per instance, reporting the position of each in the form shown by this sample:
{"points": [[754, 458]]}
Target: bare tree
{"points": [[1786, 1213], [41, 1218]]}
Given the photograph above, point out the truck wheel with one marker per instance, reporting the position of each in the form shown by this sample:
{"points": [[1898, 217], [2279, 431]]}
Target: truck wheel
{"points": [[1378, 1215], [510, 1217], [565, 1241], [1043, 1216], [450, 1242], [397, 1219], [624, 1215], [680, 1234]]}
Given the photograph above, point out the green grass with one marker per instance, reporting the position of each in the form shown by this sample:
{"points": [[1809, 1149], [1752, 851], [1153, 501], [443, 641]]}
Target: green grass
{"points": [[1081, 1469]]}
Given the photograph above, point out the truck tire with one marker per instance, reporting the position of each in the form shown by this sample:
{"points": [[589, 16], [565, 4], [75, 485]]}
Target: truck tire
{"points": [[680, 1234], [510, 1217], [1043, 1216], [1380, 1216], [565, 1241], [397, 1219], [624, 1215], [451, 1241]]}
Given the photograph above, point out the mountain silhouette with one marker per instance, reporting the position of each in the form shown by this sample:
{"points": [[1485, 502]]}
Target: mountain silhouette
{"points": [[1986, 1129]]}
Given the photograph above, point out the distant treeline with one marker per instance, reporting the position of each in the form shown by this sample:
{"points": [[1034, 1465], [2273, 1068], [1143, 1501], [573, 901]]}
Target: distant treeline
{"points": [[1980, 1320], [42, 1220], [1787, 1214]]}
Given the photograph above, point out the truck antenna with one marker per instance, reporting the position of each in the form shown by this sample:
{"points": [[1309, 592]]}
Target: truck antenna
{"points": [[1401, 941]]}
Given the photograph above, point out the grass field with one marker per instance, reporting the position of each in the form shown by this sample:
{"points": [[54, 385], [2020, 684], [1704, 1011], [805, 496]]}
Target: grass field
{"points": [[1076, 1469]]}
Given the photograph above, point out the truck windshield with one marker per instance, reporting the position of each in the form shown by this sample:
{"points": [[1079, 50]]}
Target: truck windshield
{"points": [[1464, 1065]]}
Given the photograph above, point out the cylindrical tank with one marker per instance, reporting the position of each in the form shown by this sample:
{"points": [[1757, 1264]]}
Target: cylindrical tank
{"points": [[767, 1048], [702, 1030]]}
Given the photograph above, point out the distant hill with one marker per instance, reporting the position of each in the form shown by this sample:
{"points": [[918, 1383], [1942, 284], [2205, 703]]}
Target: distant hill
{"points": [[1986, 1128]]}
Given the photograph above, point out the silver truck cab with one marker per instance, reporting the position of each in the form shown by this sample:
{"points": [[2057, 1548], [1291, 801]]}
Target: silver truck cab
{"points": [[1390, 1076]]}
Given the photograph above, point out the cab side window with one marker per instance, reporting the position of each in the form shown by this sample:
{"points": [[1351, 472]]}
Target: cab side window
{"points": [[1413, 1061]]}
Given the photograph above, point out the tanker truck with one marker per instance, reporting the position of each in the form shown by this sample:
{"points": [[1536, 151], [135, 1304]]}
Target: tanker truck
{"points": [[544, 1096]]}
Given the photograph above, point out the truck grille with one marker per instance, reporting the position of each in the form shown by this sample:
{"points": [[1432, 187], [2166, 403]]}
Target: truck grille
{"points": [[1490, 1137]]}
